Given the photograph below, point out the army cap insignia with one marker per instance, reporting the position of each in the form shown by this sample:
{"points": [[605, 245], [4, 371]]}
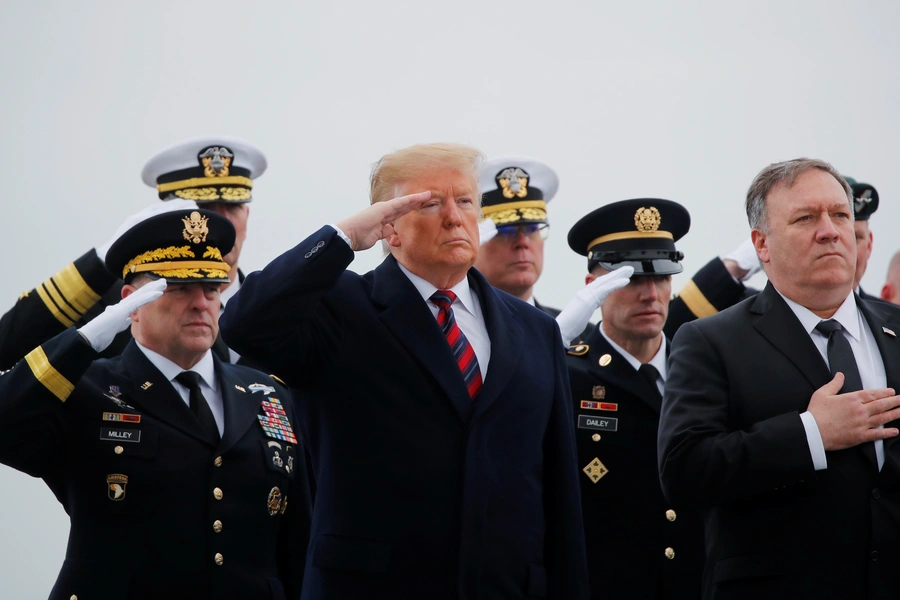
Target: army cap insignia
{"points": [[647, 219], [195, 227]]}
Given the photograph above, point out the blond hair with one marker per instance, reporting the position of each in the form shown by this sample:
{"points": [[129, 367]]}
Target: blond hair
{"points": [[415, 161]]}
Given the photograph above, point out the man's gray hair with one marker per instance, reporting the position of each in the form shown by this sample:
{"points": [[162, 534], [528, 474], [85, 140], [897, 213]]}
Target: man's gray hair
{"points": [[784, 173]]}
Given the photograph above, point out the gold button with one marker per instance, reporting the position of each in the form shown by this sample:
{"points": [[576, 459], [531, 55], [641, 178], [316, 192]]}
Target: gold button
{"points": [[596, 437], [218, 461], [118, 449], [670, 553], [73, 597], [218, 494], [219, 558], [670, 514], [217, 526]]}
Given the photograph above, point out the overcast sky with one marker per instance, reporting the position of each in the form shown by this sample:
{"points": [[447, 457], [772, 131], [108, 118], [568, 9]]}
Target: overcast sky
{"points": [[678, 100]]}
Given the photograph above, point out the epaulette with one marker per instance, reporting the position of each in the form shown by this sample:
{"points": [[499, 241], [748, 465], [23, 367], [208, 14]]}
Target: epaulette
{"points": [[277, 378], [578, 349]]}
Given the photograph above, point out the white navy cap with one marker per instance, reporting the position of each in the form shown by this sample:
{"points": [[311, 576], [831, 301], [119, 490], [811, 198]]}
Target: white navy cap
{"points": [[516, 189], [207, 169]]}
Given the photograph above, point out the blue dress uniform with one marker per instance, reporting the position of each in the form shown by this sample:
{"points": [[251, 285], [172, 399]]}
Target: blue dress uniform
{"points": [[638, 544], [160, 507]]}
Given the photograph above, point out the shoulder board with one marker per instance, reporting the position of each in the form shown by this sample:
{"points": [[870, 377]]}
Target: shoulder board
{"points": [[578, 349], [277, 378]]}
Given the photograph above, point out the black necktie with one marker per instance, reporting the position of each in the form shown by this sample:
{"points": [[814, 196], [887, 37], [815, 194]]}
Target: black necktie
{"points": [[652, 375], [840, 355], [199, 405]]}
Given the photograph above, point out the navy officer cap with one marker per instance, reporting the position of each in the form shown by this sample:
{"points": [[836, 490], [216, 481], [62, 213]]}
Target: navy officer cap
{"points": [[640, 233], [181, 246]]}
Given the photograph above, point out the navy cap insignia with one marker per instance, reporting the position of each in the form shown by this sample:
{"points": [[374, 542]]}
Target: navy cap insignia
{"points": [[116, 486], [647, 219], [216, 161], [514, 182]]}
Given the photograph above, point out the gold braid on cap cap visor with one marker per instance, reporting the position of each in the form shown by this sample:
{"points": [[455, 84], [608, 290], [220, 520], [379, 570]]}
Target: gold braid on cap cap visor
{"points": [[630, 235], [196, 182], [510, 212], [152, 261]]}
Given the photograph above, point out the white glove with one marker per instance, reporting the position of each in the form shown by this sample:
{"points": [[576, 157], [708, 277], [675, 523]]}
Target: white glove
{"points": [[100, 331], [157, 208], [746, 258], [577, 313], [487, 230]]}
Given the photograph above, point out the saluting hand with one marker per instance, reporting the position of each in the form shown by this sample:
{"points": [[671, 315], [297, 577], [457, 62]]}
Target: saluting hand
{"points": [[100, 331], [847, 420], [376, 222]]}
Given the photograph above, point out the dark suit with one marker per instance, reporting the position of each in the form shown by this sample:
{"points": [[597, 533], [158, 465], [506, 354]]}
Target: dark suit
{"points": [[553, 312], [732, 442], [421, 492], [154, 533], [74, 296], [628, 524]]}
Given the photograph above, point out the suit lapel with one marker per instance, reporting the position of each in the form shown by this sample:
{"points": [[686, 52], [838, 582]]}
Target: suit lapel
{"points": [[407, 316], [618, 372], [241, 408], [506, 341], [780, 326], [889, 346], [156, 396]]}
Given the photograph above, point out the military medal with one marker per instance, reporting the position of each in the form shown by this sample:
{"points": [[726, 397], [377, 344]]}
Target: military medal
{"points": [[275, 422]]}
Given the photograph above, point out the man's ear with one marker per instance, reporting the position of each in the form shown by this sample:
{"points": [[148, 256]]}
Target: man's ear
{"points": [[589, 278], [393, 239], [761, 243], [887, 292]]}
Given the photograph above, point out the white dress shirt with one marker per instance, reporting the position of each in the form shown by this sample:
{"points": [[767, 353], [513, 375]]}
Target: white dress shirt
{"points": [[868, 361], [658, 360], [209, 385]]}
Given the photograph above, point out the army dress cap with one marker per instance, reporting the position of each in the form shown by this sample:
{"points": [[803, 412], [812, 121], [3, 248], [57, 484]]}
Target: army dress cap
{"points": [[180, 246], [515, 190], [209, 169], [865, 200], [640, 232]]}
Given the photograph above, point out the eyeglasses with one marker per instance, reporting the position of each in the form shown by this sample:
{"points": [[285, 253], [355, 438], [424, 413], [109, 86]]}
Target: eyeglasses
{"points": [[532, 230]]}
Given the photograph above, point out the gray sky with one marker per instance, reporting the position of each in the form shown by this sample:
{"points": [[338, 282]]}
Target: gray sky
{"points": [[685, 101]]}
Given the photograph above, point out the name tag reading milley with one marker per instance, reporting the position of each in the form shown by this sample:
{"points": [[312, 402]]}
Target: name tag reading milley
{"points": [[116, 434]]}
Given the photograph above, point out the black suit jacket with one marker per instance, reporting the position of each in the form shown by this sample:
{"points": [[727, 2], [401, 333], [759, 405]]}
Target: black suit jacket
{"points": [[140, 487], [421, 492], [628, 524], [731, 441]]}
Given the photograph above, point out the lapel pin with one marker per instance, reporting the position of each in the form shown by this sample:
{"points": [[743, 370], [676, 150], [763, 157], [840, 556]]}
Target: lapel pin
{"points": [[605, 360], [239, 388], [146, 385], [890, 332]]}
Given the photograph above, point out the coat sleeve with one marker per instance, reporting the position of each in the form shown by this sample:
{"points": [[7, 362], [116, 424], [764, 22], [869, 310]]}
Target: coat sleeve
{"points": [[710, 290], [279, 318], [32, 400], [72, 296], [565, 557], [707, 456]]}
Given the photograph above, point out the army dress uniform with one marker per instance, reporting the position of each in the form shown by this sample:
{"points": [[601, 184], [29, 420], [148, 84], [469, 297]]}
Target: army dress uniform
{"points": [[638, 544], [160, 506], [214, 169]]}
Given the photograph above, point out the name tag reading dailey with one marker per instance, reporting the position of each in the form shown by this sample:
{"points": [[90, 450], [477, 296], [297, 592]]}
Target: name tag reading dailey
{"points": [[117, 434], [598, 423]]}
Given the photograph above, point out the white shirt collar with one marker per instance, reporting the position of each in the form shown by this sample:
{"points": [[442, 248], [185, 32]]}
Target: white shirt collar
{"points": [[206, 367], [847, 315], [658, 360], [229, 292], [462, 290]]}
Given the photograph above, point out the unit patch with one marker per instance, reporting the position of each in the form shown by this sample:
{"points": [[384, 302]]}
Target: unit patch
{"points": [[598, 423], [115, 484], [595, 470]]}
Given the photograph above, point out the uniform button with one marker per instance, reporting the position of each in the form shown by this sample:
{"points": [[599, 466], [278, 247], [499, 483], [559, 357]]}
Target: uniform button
{"points": [[874, 555], [320, 244], [219, 558], [670, 514], [218, 461], [217, 526], [596, 437], [876, 494], [73, 597], [218, 494], [118, 449], [670, 553]]}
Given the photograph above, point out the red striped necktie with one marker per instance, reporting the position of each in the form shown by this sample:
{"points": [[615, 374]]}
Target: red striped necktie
{"points": [[462, 349]]}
